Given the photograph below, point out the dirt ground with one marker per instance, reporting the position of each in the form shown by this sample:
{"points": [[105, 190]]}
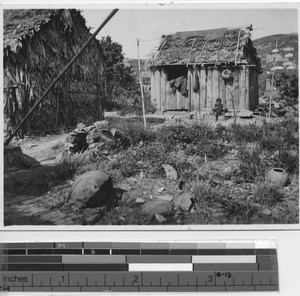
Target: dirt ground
{"points": [[49, 207]]}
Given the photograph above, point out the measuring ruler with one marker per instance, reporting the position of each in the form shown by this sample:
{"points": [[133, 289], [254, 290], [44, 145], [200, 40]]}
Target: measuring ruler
{"points": [[139, 267]]}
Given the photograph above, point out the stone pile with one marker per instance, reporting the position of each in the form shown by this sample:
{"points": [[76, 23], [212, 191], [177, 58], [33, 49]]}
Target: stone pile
{"points": [[96, 136]]}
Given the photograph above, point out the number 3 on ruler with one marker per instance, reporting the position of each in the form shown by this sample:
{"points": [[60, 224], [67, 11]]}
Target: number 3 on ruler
{"points": [[210, 278]]}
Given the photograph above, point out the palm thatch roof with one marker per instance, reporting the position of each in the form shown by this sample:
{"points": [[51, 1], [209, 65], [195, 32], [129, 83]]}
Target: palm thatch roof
{"points": [[226, 45], [38, 44]]}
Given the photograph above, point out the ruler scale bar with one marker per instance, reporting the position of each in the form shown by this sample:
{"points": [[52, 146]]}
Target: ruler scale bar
{"points": [[139, 267]]}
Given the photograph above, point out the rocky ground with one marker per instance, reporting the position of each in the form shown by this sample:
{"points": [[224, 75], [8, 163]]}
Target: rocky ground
{"points": [[216, 195]]}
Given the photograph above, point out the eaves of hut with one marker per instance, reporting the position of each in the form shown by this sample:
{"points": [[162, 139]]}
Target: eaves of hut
{"points": [[37, 45], [206, 65]]}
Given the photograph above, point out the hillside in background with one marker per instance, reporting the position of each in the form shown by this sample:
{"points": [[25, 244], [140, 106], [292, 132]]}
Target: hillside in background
{"points": [[286, 54]]}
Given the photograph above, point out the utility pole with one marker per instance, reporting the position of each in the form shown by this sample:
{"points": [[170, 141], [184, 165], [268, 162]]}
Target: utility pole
{"points": [[140, 79], [272, 80]]}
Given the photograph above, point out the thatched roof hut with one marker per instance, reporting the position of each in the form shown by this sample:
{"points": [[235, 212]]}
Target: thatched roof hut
{"points": [[38, 44], [201, 58], [218, 46]]}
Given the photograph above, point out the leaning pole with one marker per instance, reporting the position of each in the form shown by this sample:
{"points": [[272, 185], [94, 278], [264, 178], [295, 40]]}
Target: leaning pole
{"points": [[61, 74]]}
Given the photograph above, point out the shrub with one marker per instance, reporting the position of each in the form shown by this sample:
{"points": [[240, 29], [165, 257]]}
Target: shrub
{"points": [[251, 166], [247, 133], [267, 195], [207, 148], [287, 160], [184, 134], [132, 132], [277, 135]]}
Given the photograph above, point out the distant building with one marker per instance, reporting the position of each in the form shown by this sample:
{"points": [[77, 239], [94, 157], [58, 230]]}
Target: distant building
{"points": [[206, 65]]}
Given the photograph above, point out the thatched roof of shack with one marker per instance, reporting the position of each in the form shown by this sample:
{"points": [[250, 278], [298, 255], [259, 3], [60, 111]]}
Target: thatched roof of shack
{"points": [[38, 44], [217, 46]]}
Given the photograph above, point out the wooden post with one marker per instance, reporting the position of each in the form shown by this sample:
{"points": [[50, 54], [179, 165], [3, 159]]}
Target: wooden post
{"points": [[215, 85], [141, 85], [203, 89], [228, 91], [242, 88], [236, 95], [209, 88], [196, 95], [163, 87], [222, 92], [190, 91], [153, 101], [247, 88], [256, 92], [157, 89]]}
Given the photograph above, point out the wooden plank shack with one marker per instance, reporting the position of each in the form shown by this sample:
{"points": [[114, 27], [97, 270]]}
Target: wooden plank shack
{"points": [[225, 66]]}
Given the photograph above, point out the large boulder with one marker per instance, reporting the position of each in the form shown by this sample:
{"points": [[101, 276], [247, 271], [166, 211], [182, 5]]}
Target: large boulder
{"points": [[102, 124], [15, 159], [92, 189], [101, 136]]}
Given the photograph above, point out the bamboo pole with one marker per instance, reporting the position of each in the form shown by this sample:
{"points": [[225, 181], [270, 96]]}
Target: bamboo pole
{"points": [[141, 85], [272, 83], [61, 74]]}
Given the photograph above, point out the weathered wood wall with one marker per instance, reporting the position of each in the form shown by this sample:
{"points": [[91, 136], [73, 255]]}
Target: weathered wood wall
{"points": [[240, 93]]}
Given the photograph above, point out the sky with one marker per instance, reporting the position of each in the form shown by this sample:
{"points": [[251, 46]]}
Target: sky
{"points": [[149, 24]]}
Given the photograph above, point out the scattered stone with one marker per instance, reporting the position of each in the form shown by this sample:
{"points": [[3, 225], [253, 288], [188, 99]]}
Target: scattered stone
{"points": [[127, 198], [96, 145], [60, 157], [171, 173], [121, 218], [91, 220], [92, 189], [102, 124], [105, 152], [228, 183], [267, 212], [160, 189], [183, 200], [139, 200], [132, 180], [167, 197], [93, 136], [124, 186], [80, 126], [160, 218], [157, 206], [89, 128]]}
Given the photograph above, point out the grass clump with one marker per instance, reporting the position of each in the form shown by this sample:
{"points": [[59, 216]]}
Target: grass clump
{"points": [[267, 195], [252, 165], [246, 133], [183, 134]]}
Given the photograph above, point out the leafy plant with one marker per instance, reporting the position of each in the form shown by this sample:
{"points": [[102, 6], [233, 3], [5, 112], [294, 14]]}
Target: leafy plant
{"points": [[248, 133], [267, 195], [288, 87], [251, 166]]}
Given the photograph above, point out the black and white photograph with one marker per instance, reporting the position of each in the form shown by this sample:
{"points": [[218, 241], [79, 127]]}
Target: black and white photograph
{"points": [[146, 115]]}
